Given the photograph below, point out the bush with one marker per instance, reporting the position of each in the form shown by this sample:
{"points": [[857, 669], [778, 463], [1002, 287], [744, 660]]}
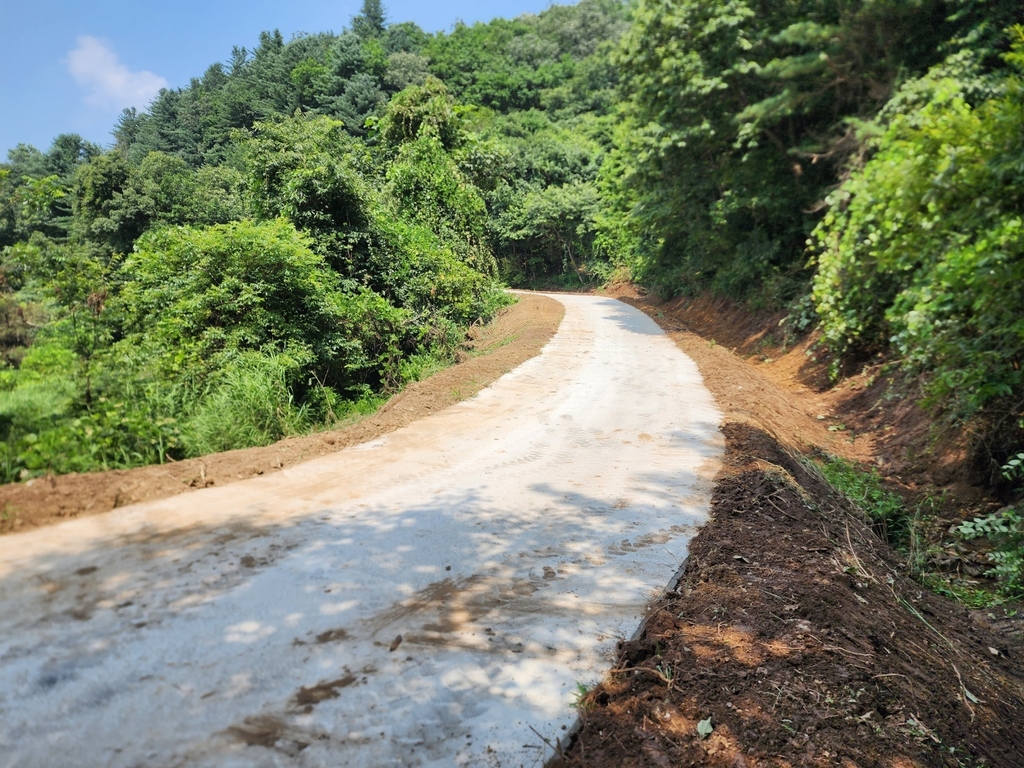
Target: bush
{"points": [[1005, 530], [924, 248], [196, 297], [111, 434]]}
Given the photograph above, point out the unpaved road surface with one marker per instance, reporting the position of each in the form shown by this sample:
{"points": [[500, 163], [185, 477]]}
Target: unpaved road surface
{"points": [[429, 598]]}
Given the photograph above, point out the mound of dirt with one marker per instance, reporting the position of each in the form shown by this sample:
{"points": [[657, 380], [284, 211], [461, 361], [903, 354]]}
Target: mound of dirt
{"points": [[514, 336], [794, 632]]}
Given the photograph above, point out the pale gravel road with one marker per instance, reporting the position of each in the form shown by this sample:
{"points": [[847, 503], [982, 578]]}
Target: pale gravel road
{"points": [[510, 540]]}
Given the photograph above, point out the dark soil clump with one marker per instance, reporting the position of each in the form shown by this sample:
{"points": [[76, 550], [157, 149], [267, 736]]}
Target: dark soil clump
{"points": [[797, 632]]}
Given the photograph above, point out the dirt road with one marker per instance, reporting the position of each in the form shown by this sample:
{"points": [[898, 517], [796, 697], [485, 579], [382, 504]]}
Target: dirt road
{"points": [[429, 598]]}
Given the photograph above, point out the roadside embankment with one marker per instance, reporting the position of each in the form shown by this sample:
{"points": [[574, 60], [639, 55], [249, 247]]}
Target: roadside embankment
{"points": [[514, 336], [796, 633]]}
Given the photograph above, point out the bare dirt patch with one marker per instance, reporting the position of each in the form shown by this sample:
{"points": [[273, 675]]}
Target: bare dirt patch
{"points": [[517, 334], [794, 631]]}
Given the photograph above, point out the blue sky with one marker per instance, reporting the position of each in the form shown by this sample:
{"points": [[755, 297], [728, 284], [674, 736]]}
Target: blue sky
{"points": [[69, 66]]}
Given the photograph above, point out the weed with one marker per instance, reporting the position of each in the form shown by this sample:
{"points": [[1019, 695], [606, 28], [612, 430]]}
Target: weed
{"points": [[972, 597], [884, 509], [1005, 530], [580, 703], [802, 317], [420, 366], [510, 339]]}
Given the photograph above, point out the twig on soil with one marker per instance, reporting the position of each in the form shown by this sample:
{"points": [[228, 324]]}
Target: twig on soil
{"points": [[620, 744], [845, 650], [779, 510], [906, 604], [660, 675], [853, 552], [675, 744], [924, 652], [777, 696], [556, 747], [964, 693]]}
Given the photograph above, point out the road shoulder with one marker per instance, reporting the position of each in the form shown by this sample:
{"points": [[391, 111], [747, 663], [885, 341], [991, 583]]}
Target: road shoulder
{"points": [[517, 334]]}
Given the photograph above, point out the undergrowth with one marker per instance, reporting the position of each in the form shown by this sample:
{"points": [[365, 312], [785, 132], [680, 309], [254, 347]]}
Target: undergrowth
{"points": [[902, 528], [1005, 532], [885, 509]]}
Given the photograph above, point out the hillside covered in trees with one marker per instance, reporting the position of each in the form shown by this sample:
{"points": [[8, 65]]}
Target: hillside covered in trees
{"points": [[310, 224]]}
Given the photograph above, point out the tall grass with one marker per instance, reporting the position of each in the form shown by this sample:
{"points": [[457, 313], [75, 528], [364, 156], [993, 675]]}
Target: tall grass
{"points": [[251, 404]]}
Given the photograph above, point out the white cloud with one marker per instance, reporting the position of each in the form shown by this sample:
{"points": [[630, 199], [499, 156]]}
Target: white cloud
{"points": [[110, 83]]}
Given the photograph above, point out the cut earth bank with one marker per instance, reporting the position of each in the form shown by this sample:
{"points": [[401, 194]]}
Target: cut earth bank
{"points": [[795, 633]]}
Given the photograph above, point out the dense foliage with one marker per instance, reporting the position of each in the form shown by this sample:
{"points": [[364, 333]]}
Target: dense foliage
{"points": [[314, 221], [923, 248], [859, 161]]}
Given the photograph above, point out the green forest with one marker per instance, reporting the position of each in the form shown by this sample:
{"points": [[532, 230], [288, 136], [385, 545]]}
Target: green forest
{"points": [[305, 228]]}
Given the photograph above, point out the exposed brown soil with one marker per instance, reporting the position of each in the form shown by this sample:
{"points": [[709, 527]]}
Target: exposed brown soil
{"points": [[872, 416], [794, 628], [514, 336]]}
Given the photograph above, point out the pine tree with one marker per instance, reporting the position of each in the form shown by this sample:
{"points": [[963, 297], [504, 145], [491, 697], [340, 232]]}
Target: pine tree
{"points": [[371, 20]]}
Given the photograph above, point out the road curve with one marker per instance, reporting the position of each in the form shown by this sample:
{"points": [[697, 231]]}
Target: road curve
{"points": [[431, 598]]}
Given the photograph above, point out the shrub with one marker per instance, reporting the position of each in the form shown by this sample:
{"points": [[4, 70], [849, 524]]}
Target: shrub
{"points": [[924, 248], [1005, 530]]}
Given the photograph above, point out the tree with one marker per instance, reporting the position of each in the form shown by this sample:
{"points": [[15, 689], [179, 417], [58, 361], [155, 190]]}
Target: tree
{"points": [[405, 37], [744, 115], [418, 108], [303, 168], [549, 230], [405, 69], [371, 21], [98, 195], [426, 186]]}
